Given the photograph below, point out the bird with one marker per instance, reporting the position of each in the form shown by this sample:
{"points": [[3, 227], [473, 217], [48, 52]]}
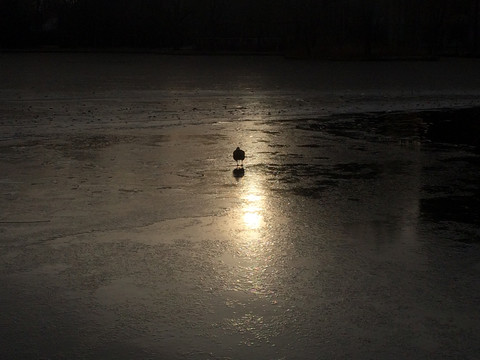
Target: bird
{"points": [[238, 155]]}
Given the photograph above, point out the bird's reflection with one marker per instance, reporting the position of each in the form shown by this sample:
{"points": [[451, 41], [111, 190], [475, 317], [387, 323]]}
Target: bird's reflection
{"points": [[238, 172]]}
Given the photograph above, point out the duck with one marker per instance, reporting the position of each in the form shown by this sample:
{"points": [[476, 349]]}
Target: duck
{"points": [[239, 155]]}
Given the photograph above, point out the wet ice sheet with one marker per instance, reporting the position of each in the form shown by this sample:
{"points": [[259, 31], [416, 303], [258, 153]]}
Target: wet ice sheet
{"points": [[126, 235]]}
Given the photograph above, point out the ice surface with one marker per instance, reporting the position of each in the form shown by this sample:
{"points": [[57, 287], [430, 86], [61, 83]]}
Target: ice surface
{"points": [[125, 234]]}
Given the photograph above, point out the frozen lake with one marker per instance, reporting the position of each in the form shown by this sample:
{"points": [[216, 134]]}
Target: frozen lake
{"points": [[127, 232]]}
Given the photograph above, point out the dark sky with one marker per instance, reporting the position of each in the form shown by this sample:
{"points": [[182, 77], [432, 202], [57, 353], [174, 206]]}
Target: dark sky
{"points": [[308, 28]]}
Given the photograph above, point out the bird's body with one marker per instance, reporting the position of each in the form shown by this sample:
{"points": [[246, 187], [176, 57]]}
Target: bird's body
{"points": [[239, 155]]}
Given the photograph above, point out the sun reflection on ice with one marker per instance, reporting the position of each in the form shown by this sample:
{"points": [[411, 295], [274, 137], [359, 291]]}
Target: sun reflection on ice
{"points": [[251, 244], [252, 217], [252, 275], [252, 212]]}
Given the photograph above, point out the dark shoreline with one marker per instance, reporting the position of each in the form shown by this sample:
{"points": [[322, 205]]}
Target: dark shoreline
{"points": [[193, 52]]}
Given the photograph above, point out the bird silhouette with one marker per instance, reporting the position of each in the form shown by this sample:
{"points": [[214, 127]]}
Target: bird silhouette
{"points": [[239, 155]]}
